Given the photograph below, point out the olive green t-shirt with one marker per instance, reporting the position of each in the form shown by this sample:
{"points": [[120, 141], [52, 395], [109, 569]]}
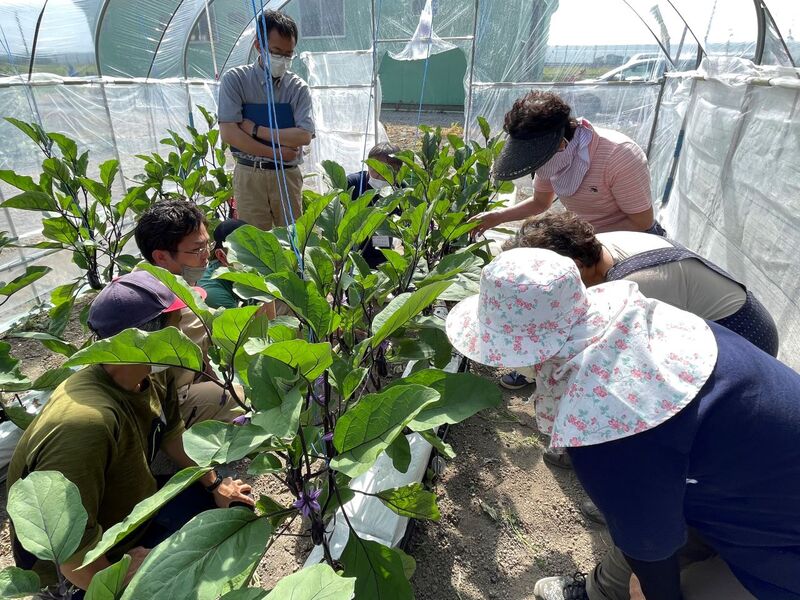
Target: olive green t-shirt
{"points": [[103, 439]]}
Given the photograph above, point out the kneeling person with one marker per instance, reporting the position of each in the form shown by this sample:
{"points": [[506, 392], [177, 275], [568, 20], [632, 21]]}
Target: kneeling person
{"points": [[102, 428], [173, 235], [363, 181], [664, 270]]}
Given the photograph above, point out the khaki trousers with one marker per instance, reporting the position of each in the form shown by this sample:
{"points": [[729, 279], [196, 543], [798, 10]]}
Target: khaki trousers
{"points": [[704, 575], [258, 197], [205, 401]]}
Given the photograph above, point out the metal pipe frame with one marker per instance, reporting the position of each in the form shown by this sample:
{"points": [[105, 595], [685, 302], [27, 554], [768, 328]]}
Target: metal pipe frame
{"points": [[161, 37], [270, 5], [185, 56], [762, 31], [374, 84], [468, 107], [456, 38], [36, 38]]}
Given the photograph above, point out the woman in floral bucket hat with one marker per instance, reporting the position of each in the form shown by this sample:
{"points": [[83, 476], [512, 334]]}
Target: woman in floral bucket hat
{"points": [[667, 419]]}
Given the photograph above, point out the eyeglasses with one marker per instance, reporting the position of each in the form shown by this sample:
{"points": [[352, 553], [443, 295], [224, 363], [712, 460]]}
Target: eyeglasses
{"points": [[205, 250], [282, 55]]}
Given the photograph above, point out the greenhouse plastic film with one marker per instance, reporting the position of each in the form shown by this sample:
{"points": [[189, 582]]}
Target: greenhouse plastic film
{"points": [[737, 190]]}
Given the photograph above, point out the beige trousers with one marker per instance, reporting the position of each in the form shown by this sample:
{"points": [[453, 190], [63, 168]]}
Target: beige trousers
{"points": [[704, 575], [204, 401], [259, 199]]}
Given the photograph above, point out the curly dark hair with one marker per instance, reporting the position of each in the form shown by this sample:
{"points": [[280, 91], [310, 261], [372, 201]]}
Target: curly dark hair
{"points": [[165, 224], [283, 24], [564, 233], [539, 112]]}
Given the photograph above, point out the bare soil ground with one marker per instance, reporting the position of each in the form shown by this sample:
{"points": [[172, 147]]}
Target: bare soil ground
{"points": [[508, 519]]}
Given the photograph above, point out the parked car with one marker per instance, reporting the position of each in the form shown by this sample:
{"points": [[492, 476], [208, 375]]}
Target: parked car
{"points": [[642, 69]]}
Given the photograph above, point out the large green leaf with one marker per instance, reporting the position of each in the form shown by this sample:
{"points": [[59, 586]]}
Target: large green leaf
{"points": [[108, 171], [200, 559], [412, 501], [181, 289], [30, 275], [21, 182], [453, 264], [245, 283], [310, 359], [144, 510], [276, 396], [167, 346], [305, 300], [256, 248], [304, 224], [400, 453], [32, 200], [245, 594], [461, 396], [317, 582], [402, 309], [217, 443], [11, 378], [51, 342], [228, 328], [52, 378], [60, 230], [265, 462], [364, 431], [18, 583], [319, 266], [336, 174], [438, 443], [108, 583], [378, 569], [49, 518], [19, 416]]}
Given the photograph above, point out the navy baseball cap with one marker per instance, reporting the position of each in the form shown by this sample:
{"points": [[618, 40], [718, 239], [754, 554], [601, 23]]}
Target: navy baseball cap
{"points": [[130, 301]]}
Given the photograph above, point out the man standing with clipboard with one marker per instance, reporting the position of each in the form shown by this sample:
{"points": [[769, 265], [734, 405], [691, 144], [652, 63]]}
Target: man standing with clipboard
{"points": [[259, 143]]}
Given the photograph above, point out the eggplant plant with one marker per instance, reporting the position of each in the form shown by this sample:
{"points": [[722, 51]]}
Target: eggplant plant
{"points": [[320, 411], [194, 169]]}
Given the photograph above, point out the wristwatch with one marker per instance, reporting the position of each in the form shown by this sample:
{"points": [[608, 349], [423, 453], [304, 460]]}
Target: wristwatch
{"points": [[210, 488], [254, 133]]}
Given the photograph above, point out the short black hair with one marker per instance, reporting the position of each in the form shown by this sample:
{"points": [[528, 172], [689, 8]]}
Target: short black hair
{"points": [[224, 229], [165, 224], [563, 233], [386, 153], [282, 23]]}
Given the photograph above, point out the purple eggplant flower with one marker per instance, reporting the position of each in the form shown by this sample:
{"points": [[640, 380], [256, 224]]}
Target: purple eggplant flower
{"points": [[242, 420], [307, 502], [328, 437], [319, 390]]}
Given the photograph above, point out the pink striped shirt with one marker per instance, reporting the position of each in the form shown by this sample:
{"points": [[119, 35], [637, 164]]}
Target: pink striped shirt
{"points": [[617, 182]]}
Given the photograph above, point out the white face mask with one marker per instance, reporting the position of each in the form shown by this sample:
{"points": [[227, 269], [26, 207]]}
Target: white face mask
{"points": [[158, 369], [192, 274], [377, 183], [278, 65]]}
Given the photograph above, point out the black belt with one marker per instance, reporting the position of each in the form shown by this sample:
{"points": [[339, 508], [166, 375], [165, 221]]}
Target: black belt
{"points": [[262, 164]]}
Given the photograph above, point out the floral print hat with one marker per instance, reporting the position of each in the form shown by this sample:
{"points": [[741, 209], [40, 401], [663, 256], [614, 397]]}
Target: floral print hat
{"points": [[609, 362]]}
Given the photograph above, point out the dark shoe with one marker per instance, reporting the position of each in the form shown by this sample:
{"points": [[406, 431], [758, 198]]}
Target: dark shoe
{"points": [[557, 457], [561, 588], [514, 381], [591, 512]]}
